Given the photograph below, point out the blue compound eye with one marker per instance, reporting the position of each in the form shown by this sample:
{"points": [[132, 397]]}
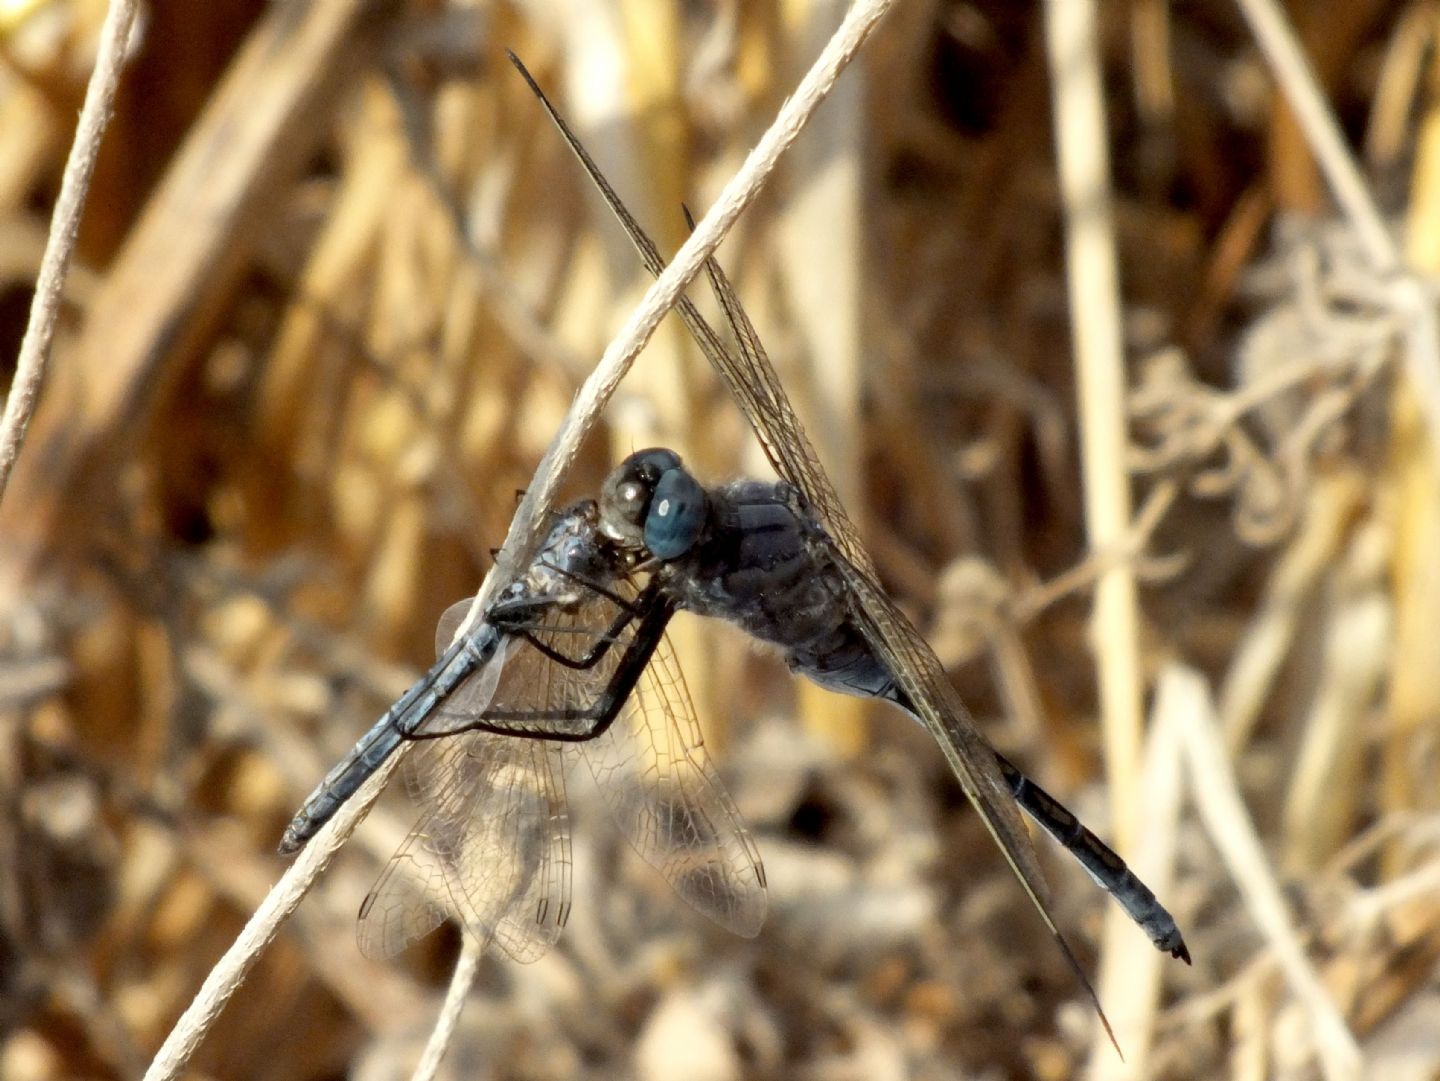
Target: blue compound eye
{"points": [[677, 512]]}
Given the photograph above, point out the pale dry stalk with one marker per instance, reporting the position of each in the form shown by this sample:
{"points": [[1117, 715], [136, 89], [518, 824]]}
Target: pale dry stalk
{"points": [[1093, 282], [64, 227]]}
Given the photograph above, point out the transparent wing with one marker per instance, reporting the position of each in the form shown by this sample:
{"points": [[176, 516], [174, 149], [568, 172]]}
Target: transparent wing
{"points": [[756, 386], [492, 849], [908, 657], [467, 688], [408, 901], [752, 379], [668, 800], [906, 654], [493, 843], [470, 697]]}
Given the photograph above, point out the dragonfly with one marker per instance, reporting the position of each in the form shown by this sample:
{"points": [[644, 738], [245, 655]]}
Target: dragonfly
{"points": [[753, 553], [917, 680], [572, 660]]}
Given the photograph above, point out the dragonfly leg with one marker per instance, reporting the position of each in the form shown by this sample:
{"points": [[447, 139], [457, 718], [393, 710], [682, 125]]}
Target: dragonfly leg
{"points": [[630, 611], [590, 721]]}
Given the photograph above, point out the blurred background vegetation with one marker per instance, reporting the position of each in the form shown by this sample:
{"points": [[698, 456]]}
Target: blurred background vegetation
{"points": [[338, 281]]}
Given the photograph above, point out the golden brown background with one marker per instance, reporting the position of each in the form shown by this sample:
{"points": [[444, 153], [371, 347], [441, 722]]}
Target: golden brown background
{"points": [[338, 281]]}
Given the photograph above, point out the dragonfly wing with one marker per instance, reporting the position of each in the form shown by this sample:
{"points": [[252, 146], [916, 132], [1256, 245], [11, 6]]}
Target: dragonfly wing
{"points": [[492, 849], [475, 692], [408, 901], [934, 700], [540, 906], [753, 381], [751, 377], [913, 664], [493, 843], [449, 623], [668, 800]]}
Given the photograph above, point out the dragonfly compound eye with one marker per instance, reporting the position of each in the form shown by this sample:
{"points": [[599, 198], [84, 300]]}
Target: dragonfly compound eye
{"points": [[626, 497], [677, 513]]}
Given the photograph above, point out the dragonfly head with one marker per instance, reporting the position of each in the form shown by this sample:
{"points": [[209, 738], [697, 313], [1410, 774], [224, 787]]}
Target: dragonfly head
{"points": [[650, 501]]}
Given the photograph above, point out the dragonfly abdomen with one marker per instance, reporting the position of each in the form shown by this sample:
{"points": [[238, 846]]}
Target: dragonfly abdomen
{"points": [[340, 783], [1100, 861], [379, 743]]}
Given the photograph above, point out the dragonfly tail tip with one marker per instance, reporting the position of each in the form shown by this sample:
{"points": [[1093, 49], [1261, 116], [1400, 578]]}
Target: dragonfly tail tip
{"points": [[1173, 943]]}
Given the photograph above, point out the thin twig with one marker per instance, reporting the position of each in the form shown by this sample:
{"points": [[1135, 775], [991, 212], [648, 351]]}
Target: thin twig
{"points": [[262, 926], [1356, 917], [1130, 550], [1276, 39], [532, 511], [1092, 279], [64, 226], [467, 967], [1268, 638]]}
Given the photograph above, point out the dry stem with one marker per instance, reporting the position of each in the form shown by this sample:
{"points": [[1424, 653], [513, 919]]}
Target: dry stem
{"points": [[1092, 278], [64, 226], [1217, 797]]}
